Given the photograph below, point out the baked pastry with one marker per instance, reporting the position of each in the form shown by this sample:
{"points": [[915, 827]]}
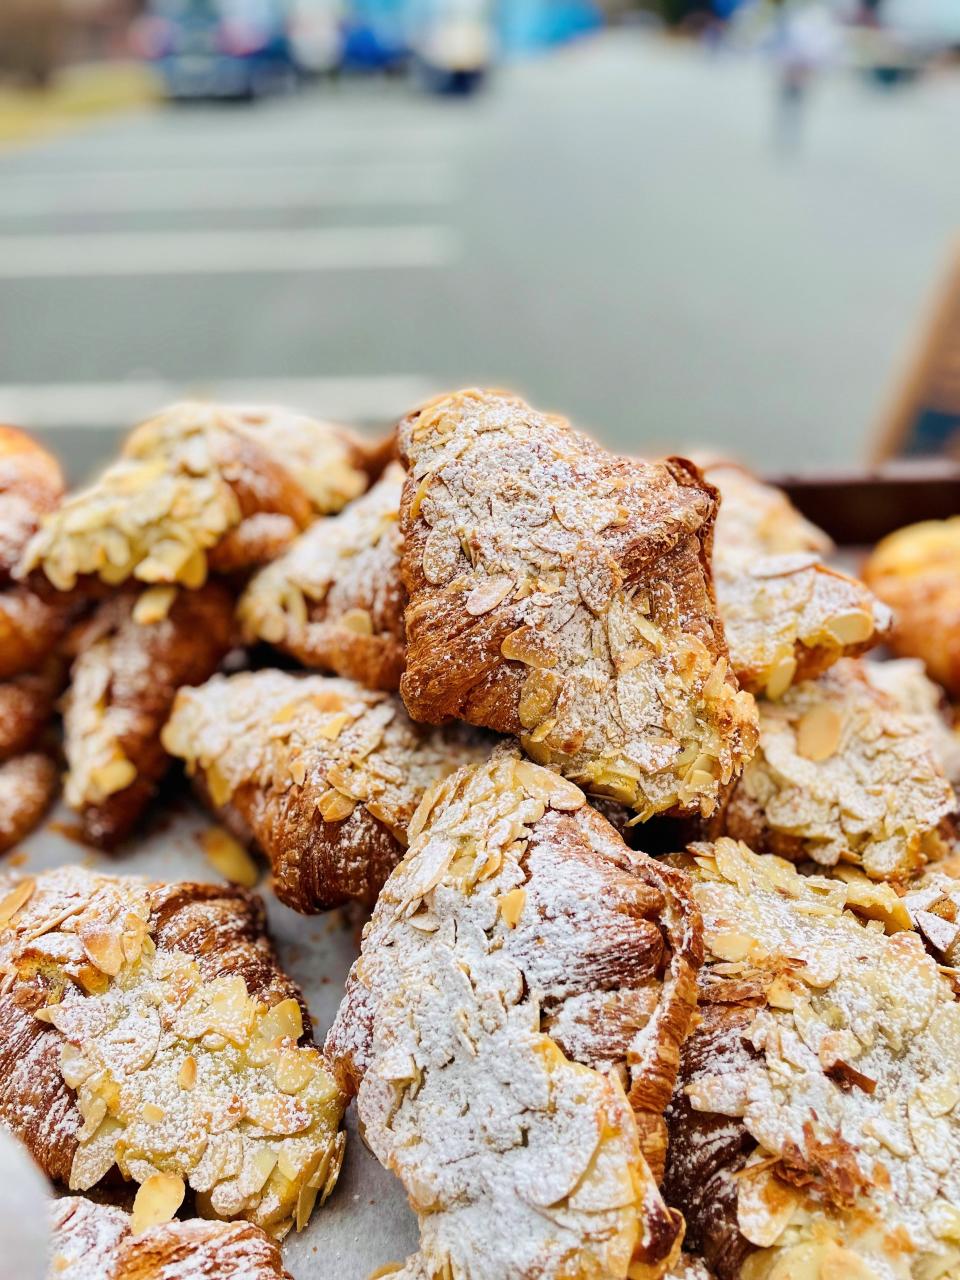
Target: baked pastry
{"points": [[28, 786], [31, 486], [917, 572], [148, 1029], [335, 599], [813, 1132], [322, 775], [98, 1242], [26, 707], [193, 484], [564, 595], [134, 654], [523, 980], [903, 679], [842, 776], [787, 616]]}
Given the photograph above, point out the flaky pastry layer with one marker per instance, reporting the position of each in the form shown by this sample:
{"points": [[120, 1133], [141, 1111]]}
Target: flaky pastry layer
{"points": [[815, 1132], [183, 489], [842, 775], [147, 1030], [564, 595], [335, 600], [524, 979], [320, 773]]}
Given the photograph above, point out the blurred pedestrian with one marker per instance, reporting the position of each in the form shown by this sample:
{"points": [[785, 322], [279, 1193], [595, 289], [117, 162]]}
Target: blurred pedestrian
{"points": [[806, 40]]}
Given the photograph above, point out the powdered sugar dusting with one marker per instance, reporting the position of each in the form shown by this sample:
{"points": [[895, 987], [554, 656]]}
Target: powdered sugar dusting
{"points": [[787, 616], [175, 1072], [95, 1242], [849, 1089], [337, 587], [520, 1162], [843, 775], [562, 594]]}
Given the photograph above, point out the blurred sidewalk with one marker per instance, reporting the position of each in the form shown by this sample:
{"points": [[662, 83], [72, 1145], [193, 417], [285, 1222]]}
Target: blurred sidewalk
{"points": [[78, 94]]}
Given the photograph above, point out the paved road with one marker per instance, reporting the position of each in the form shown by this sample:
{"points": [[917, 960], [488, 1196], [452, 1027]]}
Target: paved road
{"points": [[608, 230]]}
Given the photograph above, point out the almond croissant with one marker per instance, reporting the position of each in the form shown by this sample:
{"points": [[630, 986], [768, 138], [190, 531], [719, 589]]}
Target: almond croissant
{"points": [[98, 1242], [200, 486], [814, 1131], [135, 653], [564, 595], [843, 776], [335, 599], [512, 1029], [147, 1029], [321, 774], [787, 616]]}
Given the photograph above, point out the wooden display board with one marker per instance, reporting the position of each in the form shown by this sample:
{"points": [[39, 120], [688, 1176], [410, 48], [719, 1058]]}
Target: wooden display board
{"points": [[923, 419]]}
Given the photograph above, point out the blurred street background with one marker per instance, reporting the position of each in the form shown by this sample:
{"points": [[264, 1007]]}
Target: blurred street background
{"points": [[677, 227]]}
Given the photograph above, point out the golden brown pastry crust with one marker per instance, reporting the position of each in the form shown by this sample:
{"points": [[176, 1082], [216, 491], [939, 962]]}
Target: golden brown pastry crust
{"points": [[787, 616], [97, 1242], [150, 1027], [26, 707], [28, 786], [812, 1133], [31, 486], [185, 486], [842, 776], [917, 572], [565, 595], [134, 654], [319, 773], [521, 968], [335, 600]]}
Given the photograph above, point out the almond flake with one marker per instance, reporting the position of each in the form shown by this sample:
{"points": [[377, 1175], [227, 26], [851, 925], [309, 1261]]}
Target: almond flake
{"points": [[228, 857], [818, 732], [156, 1201]]}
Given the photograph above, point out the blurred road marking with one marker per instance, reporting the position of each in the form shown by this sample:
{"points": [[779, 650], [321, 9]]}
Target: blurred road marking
{"points": [[254, 148], [164, 253], [121, 404], [224, 189]]}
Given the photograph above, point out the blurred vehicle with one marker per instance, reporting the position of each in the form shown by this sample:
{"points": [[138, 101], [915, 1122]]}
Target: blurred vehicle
{"points": [[219, 48], [453, 45], [376, 35]]}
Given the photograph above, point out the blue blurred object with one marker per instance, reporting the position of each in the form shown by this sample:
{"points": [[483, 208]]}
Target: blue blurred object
{"points": [[528, 25], [219, 48], [376, 35]]}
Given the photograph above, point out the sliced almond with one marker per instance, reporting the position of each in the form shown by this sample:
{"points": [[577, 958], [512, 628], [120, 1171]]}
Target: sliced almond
{"points": [[187, 1075], [334, 806], [853, 627], [818, 732], [16, 899], [157, 1200], [441, 555], [284, 1021], [780, 676], [153, 605], [488, 594], [537, 696], [358, 621], [511, 906], [152, 1113], [115, 776], [332, 728], [228, 857], [528, 646]]}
